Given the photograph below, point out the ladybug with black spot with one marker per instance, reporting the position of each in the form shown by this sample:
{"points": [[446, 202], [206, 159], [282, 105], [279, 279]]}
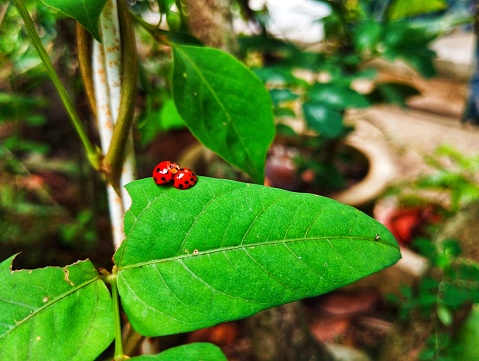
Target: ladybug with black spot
{"points": [[163, 173], [185, 178], [168, 171]]}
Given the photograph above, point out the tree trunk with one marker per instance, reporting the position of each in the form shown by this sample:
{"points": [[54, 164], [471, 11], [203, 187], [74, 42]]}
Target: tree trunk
{"points": [[211, 21], [282, 334], [471, 111]]}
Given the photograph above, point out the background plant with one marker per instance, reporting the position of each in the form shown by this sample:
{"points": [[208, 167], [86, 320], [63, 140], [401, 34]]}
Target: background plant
{"points": [[321, 87], [451, 182], [442, 302], [35, 174], [443, 297]]}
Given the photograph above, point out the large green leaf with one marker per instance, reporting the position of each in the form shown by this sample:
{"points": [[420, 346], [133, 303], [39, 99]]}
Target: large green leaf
{"points": [[86, 12], [224, 250], [225, 106], [54, 313], [191, 352]]}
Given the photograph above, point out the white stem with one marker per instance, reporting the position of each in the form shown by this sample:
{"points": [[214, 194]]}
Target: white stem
{"points": [[107, 68], [105, 127], [128, 173], [110, 32]]}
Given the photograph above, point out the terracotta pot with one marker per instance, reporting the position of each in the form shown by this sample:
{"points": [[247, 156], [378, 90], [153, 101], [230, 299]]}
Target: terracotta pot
{"points": [[380, 174]]}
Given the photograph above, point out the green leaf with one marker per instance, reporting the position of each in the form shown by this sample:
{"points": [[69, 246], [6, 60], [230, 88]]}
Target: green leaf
{"points": [[278, 76], [322, 119], [464, 345], [283, 112], [406, 8], [285, 130], [192, 352], [224, 250], [282, 95], [16, 106], [225, 106], [367, 35], [422, 63], [444, 315], [393, 93], [165, 5], [54, 313], [411, 44], [162, 120], [337, 97], [86, 12]]}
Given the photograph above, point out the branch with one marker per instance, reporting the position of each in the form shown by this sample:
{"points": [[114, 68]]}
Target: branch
{"points": [[116, 152]]}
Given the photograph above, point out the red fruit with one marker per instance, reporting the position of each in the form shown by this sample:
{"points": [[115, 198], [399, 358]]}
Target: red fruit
{"points": [[164, 171], [184, 179]]}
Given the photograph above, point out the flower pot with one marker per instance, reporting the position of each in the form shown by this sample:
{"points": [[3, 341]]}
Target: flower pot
{"points": [[372, 162]]}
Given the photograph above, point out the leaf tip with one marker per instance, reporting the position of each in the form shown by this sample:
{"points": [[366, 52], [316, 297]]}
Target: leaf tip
{"points": [[9, 262]]}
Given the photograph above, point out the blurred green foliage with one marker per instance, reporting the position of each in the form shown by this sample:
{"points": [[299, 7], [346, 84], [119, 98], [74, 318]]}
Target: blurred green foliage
{"points": [[31, 217], [320, 87], [451, 284]]}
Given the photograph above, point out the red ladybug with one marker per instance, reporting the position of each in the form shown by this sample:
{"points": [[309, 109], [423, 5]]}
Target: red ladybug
{"points": [[184, 179], [164, 171]]}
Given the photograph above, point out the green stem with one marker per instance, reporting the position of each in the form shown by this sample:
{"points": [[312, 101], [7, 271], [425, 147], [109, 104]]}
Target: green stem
{"points": [[115, 155], [160, 35], [92, 152], [112, 279]]}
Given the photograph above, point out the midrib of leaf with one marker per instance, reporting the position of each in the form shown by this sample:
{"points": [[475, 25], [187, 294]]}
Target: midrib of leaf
{"points": [[85, 8], [216, 290], [48, 304], [251, 245], [230, 120]]}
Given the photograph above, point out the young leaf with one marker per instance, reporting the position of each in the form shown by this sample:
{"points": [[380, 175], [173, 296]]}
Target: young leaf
{"points": [[225, 106], [190, 352], [224, 250], [54, 313], [86, 12]]}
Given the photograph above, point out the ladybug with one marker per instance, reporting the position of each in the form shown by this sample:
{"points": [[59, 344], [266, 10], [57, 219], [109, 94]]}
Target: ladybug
{"points": [[164, 171], [184, 179]]}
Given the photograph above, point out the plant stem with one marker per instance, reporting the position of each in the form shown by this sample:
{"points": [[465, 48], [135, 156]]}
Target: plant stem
{"points": [[112, 279], [3, 11], [121, 146], [115, 82], [92, 152], [105, 127]]}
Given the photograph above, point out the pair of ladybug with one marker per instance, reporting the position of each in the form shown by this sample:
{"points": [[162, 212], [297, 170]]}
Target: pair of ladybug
{"points": [[167, 171]]}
